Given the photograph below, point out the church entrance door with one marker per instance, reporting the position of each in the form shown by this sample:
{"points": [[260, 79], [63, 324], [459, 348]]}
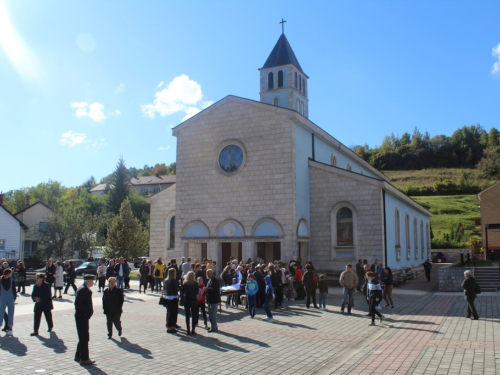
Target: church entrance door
{"points": [[231, 249], [269, 251], [304, 251]]}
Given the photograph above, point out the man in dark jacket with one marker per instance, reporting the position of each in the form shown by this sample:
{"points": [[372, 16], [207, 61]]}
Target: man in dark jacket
{"points": [[122, 271], [361, 274], [469, 286], [110, 269], [112, 303], [213, 299], [261, 294], [83, 312], [427, 268], [42, 297]]}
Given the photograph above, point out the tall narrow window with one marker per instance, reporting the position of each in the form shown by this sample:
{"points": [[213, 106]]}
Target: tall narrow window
{"points": [[280, 78], [300, 83], [344, 227], [407, 235], [295, 79], [334, 160], [297, 105], [305, 88], [276, 102], [270, 80], [171, 244], [422, 244], [398, 234], [415, 236]]}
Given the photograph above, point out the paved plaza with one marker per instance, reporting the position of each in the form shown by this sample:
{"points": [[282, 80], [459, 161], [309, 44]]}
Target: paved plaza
{"points": [[426, 333]]}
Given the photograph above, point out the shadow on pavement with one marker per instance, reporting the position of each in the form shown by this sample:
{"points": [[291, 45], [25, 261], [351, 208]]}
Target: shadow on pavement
{"points": [[94, 370], [54, 343], [212, 342], [244, 339], [13, 345], [133, 348], [291, 325]]}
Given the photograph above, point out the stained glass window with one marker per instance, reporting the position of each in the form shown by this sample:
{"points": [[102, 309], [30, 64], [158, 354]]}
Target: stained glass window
{"points": [[231, 158], [344, 227]]}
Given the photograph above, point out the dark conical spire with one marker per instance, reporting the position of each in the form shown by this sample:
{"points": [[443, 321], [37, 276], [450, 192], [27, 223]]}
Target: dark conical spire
{"points": [[282, 54]]}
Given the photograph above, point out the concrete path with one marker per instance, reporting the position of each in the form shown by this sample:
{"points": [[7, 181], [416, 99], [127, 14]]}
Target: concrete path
{"points": [[426, 333]]}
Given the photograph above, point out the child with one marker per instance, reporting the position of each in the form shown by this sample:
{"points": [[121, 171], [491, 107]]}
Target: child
{"points": [[323, 291], [373, 296], [269, 297], [251, 288], [291, 288], [231, 299], [202, 293]]}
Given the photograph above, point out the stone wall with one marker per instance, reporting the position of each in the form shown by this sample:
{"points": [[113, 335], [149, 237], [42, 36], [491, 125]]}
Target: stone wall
{"points": [[450, 278], [453, 255], [162, 207]]}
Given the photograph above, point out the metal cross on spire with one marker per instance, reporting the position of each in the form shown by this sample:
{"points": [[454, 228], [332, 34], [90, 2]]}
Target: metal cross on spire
{"points": [[282, 26]]}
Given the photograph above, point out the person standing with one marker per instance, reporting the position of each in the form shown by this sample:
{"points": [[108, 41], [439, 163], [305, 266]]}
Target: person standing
{"points": [[151, 281], [201, 300], [186, 267], [366, 268], [309, 286], [158, 274], [110, 269], [427, 268], [42, 297], [171, 293], [389, 282], [469, 287], [101, 276], [121, 270], [269, 297], [348, 281], [50, 270], [190, 291], [112, 304], [261, 292], [213, 299], [360, 272], [323, 291], [21, 278], [251, 289], [373, 296], [58, 279], [71, 276], [83, 312], [8, 296], [143, 281]]}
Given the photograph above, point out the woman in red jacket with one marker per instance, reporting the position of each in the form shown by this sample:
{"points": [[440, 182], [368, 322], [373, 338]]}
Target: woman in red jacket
{"points": [[202, 296]]}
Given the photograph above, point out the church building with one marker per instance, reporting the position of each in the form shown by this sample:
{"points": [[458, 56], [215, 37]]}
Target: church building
{"points": [[260, 180]]}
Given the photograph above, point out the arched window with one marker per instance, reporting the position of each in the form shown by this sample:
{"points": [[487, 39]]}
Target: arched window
{"points": [[398, 234], [276, 102], [349, 167], [300, 83], [415, 236], [298, 105], [295, 79], [407, 235], [345, 228], [422, 244], [334, 160], [270, 81], [280, 78], [171, 242]]}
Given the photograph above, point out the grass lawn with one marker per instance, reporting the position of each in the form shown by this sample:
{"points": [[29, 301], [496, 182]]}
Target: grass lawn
{"points": [[451, 210]]}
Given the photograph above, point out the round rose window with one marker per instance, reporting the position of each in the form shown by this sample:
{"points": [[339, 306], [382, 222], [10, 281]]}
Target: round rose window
{"points": [[231, 158]]}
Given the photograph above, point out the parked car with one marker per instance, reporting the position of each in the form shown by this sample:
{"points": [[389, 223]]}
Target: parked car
{"points": [[438, 257], [87, 268], [77, 262]]}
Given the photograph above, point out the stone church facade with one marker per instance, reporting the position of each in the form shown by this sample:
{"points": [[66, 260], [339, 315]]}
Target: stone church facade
{"points": [[260, 180]]}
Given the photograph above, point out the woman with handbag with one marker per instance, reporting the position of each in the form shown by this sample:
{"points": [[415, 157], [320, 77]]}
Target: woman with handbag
{"points": [[158, 274], [190, 293], [171, 300], [101, 276], [21, 278]]}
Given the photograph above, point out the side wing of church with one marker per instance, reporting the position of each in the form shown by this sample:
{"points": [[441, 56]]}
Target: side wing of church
{"points": [[259, 180]]}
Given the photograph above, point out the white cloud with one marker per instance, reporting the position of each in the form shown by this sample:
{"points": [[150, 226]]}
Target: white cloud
{"points": [[495, 69], [120, 87], [160, 85], [17, 50], [180, 95], [161, 148], [117, 112], [93, 111], [71, 138]]}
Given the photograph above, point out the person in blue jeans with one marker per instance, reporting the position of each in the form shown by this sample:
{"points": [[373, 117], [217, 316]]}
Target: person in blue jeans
{"points": [[122, 270], [269, 297], [323, 291], [7, 297], [251, 289]]}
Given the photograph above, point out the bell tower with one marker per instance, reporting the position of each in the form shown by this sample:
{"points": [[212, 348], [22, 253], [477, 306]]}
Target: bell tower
{"points": [[283, 83]]}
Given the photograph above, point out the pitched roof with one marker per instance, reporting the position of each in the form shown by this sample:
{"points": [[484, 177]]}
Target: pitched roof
{"points": [[153, 180], [485, 190], [31, 205], [100, 187], [15, 218], [282, 54]]}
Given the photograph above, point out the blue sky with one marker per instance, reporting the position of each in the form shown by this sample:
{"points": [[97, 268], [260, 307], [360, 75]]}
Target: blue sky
{"points": [[85, 82]]}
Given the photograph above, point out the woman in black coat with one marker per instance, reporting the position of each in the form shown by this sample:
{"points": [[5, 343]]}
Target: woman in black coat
{"points": [[190, 293], [309, 285], [21, 278], [70, 277], [50, 270], [42, 297], [171, 293]]}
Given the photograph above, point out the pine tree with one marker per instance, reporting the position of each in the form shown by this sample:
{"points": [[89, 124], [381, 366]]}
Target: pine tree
{"points": [[118, 190], [126, 236]]}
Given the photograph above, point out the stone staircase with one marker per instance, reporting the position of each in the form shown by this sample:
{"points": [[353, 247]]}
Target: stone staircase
{"points": [[488, 278]]}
